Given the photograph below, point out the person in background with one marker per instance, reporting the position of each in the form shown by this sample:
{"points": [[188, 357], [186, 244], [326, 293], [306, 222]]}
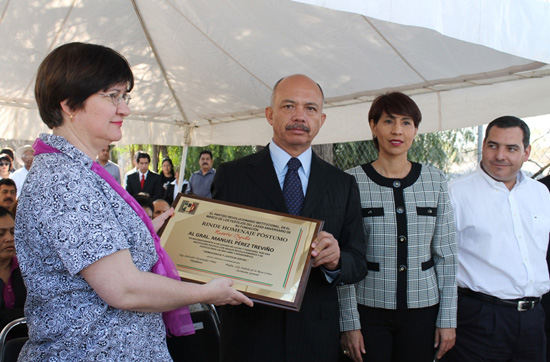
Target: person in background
{"points": [[10, 153], [6, 164], [99, 282], [144, 180], [144, 200], [314, 189], [8, 194], [200, 181], [12, 288], [406, 306], [131, 171], [25, 156], [168, 180], [111, 167], [502, 220], [159, 207]]}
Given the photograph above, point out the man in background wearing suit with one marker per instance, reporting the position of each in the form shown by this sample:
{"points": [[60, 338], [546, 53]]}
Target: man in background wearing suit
{"points": [[325, 193], [144, 180]]}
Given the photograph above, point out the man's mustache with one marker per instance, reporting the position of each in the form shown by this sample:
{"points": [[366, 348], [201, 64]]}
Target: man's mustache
{"points": [[300, 126]]}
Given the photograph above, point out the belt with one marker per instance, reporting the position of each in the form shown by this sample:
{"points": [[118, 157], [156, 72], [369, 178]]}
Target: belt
{"points": [[522, 305]]}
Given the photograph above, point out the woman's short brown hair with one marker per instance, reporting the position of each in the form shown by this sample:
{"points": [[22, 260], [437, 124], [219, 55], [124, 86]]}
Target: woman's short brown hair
{"points": [[73, 72], [394, 103]]}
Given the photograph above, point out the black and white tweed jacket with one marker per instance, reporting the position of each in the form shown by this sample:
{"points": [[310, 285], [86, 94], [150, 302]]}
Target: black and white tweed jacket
{"points": [[410, 247]]}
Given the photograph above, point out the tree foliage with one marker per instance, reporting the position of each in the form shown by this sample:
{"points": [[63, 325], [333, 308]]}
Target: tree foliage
{"points": [[439, 149]]}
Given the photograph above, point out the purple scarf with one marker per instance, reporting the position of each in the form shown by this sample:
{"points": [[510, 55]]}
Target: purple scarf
{"points": [[178, 321]]}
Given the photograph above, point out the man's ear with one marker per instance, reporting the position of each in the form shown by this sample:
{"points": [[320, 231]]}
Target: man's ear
{"points": [[269, 115], [527, 153]]}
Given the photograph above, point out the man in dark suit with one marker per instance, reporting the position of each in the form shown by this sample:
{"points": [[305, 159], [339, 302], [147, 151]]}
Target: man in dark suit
{"points": [[144, 180], [273, 334]]}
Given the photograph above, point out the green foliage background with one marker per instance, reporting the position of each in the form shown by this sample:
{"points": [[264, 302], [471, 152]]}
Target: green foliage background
{"points": [[439, 149]]}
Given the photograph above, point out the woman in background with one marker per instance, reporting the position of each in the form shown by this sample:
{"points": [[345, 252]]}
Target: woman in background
{"points": [[12, 289], [168, 180], [97, 279], [6, 163], [406, 306]]}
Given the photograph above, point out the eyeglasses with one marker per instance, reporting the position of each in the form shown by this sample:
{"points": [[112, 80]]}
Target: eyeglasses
{"points": [[4, 163], [117, 98]]}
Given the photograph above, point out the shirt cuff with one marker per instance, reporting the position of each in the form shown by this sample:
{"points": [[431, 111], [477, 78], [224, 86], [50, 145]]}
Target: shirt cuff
{"points": [[330, 275]]}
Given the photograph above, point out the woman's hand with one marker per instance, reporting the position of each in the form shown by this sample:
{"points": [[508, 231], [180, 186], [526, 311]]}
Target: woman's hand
{"points": [[445, 340], [353, 345], [223, 293]]}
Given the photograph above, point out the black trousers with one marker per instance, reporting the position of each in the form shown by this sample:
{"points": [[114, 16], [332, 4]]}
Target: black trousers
{"points": [[489, 332], [398, 335]]}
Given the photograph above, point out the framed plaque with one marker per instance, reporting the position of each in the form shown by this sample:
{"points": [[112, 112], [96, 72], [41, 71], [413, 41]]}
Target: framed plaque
{"points": [[266, 253]]}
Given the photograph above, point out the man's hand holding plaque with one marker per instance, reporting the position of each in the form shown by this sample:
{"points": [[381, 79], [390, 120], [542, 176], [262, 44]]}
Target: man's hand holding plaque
{"points": [[326, 251]]}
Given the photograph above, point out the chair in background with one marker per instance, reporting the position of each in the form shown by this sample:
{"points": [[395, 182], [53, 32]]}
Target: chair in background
{"points": [[204, 345], [9, 349]]}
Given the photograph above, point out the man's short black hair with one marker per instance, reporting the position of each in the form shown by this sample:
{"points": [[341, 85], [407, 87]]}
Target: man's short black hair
{"points": [[510, 122], [141, 154], [206, 152], [8, 182], [4, 212], [144, 200]]}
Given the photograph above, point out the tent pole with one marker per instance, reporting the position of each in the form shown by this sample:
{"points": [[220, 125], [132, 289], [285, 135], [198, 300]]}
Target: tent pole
{"points": [[187, 142], [182, 166]]}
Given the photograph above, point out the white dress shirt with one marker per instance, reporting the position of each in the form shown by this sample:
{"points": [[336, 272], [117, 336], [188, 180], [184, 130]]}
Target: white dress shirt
{"points": [[19, 176], [502, 235], [142, 174]]}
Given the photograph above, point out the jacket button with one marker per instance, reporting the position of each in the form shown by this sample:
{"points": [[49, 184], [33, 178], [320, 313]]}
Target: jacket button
{"points": [[402, 238], [402, 268], [400, 209]]}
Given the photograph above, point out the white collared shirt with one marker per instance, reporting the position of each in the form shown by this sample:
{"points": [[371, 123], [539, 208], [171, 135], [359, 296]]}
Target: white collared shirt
{"points": [[280, 159], [19, 176], [142, 174], [502, 235]]}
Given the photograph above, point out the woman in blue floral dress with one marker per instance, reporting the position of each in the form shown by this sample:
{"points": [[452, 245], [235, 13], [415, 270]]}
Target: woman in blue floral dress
{"points": [[90, 259]]}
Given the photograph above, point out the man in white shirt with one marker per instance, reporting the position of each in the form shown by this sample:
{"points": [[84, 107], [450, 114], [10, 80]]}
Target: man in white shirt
{"points": [[503, 224], [24, 155]]}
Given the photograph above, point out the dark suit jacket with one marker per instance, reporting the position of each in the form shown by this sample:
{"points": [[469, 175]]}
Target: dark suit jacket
{"points": [[152, 186], [272, 334]]}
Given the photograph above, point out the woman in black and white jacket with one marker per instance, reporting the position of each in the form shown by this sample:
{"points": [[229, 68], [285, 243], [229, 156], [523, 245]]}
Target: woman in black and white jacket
{"points": [[405, 309]]}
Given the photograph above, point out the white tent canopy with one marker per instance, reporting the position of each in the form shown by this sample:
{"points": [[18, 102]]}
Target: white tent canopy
{"points": [[205, 69]]}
